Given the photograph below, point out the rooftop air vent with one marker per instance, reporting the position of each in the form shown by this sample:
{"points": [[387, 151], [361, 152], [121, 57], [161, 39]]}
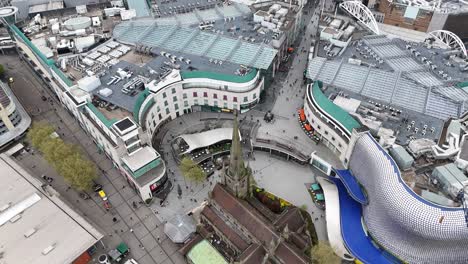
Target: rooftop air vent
{"points": [[30, 232], [48, 249], [15, 218]]}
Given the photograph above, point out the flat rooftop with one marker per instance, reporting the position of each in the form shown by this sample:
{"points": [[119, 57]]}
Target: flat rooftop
{"points": [[389, 73], [33, 222]]}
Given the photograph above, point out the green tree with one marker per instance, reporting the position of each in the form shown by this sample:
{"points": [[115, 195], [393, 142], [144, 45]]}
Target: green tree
{"points": [[2, 70], [78, 172], [191, 171], [322, 253], [39, 135], [66, 158]]}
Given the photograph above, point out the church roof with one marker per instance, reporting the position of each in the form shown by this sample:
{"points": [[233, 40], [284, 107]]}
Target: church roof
{"points": [[256, 224]]}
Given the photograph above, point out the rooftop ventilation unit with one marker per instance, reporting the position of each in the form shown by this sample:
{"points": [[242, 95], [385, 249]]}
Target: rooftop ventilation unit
{"points": [[15, 218], [48, 249], [30, 232]]}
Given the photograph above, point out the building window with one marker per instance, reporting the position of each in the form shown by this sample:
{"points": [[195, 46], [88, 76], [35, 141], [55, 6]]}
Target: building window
{"points": [[154, 123], [176, 106], [185, 104], [339, 145], [184, 96], [166, 103], [245, 99], [158, 108], [159, 116], [195, 102], [205, 94], [326, 132], [173, 90], [174, 98], [164, 94], [215, 96], [234, 99], [152, 116], [225, 105], [205, 101], [318, 127], [255, 96], [194, 94], [333, 138], [225, 97], [215, 103], [234, 106], [167, 111]]}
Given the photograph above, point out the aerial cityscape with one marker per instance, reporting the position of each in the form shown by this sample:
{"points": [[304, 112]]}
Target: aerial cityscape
{"points": [[233, 131]]}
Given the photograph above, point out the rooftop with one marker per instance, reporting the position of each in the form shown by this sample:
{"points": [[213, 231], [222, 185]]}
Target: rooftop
{"points": [[142, 157], [195, 42], [205, 253], [412, 78], [207, 138], [333, 110], [34, 220], [256, 224]]}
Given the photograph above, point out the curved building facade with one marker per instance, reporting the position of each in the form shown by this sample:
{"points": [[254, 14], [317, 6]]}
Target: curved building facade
{"points": [[333, 124], [183, 92], [14, 121], [402, 222]]}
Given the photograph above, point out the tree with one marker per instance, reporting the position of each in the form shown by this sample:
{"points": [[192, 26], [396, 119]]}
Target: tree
{"points": [[78, 172], [39, 135], [323, 253], [66, 158], [191, 171], [2, 70]]}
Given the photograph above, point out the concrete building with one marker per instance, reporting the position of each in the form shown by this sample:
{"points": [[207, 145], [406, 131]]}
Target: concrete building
{"points": [[447, 15], [14, 121], [333, 124], [36, 226]]}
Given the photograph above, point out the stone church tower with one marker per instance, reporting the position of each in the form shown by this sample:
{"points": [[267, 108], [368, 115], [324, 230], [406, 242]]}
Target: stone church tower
{"points": [[236, 177]]}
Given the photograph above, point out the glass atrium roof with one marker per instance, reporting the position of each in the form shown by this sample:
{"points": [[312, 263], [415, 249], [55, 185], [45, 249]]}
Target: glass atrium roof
{"points": [[192, 41]]}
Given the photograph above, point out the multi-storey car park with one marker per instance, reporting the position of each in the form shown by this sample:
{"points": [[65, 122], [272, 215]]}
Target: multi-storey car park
{"points": [[123, 80]]}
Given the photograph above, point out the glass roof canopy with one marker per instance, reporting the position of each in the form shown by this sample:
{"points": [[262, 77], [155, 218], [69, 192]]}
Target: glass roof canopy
{"points": [[175, 38]]}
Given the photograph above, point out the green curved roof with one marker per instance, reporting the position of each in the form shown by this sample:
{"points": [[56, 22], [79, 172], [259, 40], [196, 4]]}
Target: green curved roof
{"points": [[332, 109], [139, 102], [219, 76]]}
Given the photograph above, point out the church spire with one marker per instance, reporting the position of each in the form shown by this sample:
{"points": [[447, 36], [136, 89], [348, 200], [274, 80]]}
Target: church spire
{"points": [[236, 176], [236, 162]]}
